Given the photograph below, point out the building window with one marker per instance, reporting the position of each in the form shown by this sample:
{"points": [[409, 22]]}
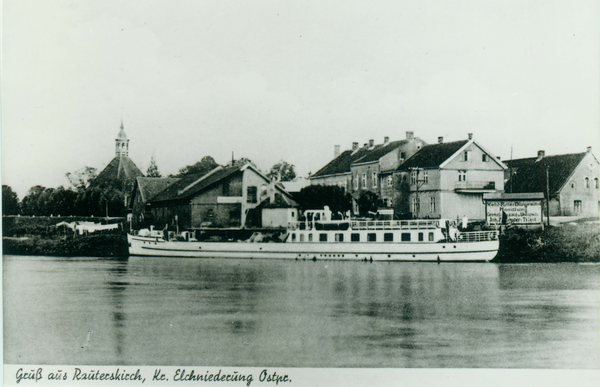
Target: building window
{"points": [[572, 185], [364, 180], [413, 177], [355, 237], [485, 158], [210, 213], [419, 145], [587, 182], [356, 181], [432, 204], [465, 156], [374, 177], [251, 194], [388, 237], [596, 181], [402, 156], [415, 206], [577, 206], [425, 177], [390, 181], [462, 175]]}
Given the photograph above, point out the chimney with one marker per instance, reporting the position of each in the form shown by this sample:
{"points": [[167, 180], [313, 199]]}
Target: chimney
{"points": [[498, 157], [386, 139], [470, 136], [589, 149], [371, 143], [541, 155], [354, 146], [410, 136], [336, 151], [440, 140], [365, 145]]}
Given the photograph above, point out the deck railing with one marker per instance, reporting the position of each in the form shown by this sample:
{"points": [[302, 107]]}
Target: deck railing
{"points": [[477, 236], [374, 224]]}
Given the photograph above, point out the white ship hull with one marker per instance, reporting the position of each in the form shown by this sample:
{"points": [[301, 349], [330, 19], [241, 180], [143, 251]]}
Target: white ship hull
{"points": [[377, 251]]}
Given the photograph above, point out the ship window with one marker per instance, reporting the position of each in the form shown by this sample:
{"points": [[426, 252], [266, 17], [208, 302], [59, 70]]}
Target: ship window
{"points": [[430, 237], [339, 237], [310, 237], [322, 237], [388, 237], [301, 237], [355, 237], [371, 237], [293, 237], [420, 237], [405, 237]]}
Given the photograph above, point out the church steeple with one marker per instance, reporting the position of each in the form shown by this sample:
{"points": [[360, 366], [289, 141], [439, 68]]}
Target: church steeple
{"points": [[121, 143]]}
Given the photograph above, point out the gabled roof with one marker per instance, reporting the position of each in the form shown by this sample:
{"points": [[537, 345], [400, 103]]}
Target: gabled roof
{"points": [[190, 185], [120, 168], [381, 150], [340, 164], [151, 186], [433, 155], [529, 174]]}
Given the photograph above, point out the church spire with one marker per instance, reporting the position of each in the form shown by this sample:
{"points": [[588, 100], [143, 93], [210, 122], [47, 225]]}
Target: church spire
{"points": [[121, 143]]}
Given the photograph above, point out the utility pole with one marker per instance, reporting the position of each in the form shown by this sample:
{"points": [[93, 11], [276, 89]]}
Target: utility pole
{"points": [[547, 195]]}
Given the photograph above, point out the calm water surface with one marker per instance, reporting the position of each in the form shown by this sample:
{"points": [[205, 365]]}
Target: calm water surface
{"points": [[165, 311]]}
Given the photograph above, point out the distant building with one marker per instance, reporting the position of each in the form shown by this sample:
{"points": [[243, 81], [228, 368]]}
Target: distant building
{"points": [[226, 197], [121, 172], [448, 180], [145, 188], [571, 180], [367, 168]]}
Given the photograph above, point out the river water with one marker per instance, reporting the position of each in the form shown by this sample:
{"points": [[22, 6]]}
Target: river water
{"points": [[166, 311]]}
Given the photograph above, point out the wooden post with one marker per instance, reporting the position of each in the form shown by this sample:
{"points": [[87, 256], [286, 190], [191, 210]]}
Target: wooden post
{"points": [[547, 195]]}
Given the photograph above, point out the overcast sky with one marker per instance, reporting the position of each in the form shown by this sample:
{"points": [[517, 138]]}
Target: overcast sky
{"points": [[272, 80]]}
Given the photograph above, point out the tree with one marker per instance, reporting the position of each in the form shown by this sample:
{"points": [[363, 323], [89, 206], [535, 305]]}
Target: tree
{"points": [[10, 201], [401, 204], [201, 167], [315, 197], [244, 161], [30, 205], [282, 171], [368, 203], [81, 178], [152, 170]]}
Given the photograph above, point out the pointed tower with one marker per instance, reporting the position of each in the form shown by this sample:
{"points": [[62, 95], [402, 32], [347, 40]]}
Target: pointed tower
{"points": [[121, 143]]}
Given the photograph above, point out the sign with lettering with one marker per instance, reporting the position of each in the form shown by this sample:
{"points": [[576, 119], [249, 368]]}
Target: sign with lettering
{"points": [[514, 212]]}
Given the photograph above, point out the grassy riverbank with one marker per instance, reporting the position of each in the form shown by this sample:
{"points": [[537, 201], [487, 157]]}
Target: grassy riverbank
{"points": [[569, 242]]}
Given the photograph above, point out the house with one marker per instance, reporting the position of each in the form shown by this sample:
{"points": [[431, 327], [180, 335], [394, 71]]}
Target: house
{"points": [[570, 179], [368, 168], [226, 197], [448, 180], [144, 189]]}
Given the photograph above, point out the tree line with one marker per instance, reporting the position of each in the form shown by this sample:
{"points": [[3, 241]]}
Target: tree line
{"points": [[84, 198]]}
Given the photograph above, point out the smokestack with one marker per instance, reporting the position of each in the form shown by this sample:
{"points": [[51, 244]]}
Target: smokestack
{"points": [[470, 136], [440, 140], [541, 155], [354, 146], [371, 143], [386, 139], [336, 151], [410, 136]]}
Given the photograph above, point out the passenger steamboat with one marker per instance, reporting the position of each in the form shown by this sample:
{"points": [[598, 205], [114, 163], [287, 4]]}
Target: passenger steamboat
{"points": [[321, 238]]}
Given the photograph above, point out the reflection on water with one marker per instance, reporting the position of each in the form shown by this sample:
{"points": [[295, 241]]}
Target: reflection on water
{"points": [[160, 311]]}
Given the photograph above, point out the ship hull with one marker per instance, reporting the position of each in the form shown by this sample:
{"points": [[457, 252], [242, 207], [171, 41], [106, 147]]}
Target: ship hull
{"points": [[379, 251]]}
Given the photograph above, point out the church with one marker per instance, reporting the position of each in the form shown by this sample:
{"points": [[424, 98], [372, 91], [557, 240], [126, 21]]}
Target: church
{"points": [[121, 172]]}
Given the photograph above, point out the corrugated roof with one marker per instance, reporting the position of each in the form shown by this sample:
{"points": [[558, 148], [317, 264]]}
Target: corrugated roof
{"points": [[120, 168], [529, 175], [431, 156]]}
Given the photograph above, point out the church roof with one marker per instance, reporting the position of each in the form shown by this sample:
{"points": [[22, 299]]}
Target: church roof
{"points": [[119, 169], [151, 186]]}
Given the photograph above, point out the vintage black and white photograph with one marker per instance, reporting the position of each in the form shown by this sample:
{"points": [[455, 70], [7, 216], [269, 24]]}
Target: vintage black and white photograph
{"points": [[300, 192]]}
